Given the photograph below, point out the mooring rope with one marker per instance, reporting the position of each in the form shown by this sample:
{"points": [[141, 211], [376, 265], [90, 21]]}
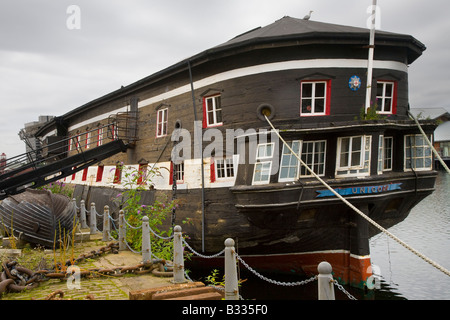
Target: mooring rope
{"points": [[433, 263], [429, 143]]}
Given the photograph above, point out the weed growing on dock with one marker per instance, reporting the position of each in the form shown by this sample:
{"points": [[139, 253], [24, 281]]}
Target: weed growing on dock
{"points": [[58, 187], [135, 182]]}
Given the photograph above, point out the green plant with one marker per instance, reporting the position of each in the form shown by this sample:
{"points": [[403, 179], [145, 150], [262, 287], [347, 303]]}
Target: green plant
{"points": [[58, 187], [135, 182], [371, 113], [213, 279]]}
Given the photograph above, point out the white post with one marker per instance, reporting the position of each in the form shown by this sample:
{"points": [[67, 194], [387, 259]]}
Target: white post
{"points": [[93, 219], [178, 259], [106, 224], [146, 246], [231, 279], [325, 281], [83, 215], [122, 231], [370, 58]]}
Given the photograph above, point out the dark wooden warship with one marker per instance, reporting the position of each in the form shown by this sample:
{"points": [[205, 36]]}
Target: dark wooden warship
{"points": [[309, 79]]}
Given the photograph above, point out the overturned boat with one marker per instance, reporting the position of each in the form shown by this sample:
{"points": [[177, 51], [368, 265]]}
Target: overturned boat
{"points": [[38, 216]]}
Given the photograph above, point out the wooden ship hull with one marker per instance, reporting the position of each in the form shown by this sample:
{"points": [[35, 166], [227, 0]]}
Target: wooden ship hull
{"points": [[38, 217], [308, 78]]}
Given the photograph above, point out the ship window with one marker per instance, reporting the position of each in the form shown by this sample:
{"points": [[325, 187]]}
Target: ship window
{"points": [[418, 155], [386, 97], [315, 98], [385, 154], [353, 156], [178, 171], [224, 168], [263, 169], [313, 155], [161, 122], [289, 162], [212, 111]]}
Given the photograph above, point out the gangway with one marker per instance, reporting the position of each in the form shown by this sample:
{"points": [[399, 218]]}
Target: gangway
{"points": [[64, 156]]}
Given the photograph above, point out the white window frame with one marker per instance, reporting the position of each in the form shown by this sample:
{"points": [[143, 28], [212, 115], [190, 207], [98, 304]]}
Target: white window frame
{"points": [[228, 164], [179, 171], [348, 165], [286, 152], [314, 161], [363, 168], [264, 166], [381, 100], [161, 121], [214, 110], [427, 153], [313, 98]]}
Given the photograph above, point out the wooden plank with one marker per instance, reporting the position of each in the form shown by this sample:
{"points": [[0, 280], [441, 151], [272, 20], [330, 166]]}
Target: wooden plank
{"points": [[147, 294]]}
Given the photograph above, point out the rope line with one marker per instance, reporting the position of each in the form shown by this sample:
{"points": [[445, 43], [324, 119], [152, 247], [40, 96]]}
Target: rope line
{"points": [[426, 259]]}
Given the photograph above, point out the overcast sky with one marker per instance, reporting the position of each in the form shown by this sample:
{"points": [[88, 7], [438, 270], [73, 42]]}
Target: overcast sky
{"points": [[51, 62]]}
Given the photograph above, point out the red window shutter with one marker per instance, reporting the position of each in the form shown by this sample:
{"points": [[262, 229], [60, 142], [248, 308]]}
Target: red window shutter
{"points": [[85, 172], [213, 171], [327, 107], [205, 115], [171, 174], [99, 173], [394, 98], [117, 175]]}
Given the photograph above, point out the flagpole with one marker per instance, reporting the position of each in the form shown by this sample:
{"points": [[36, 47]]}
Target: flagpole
{"points": [[370, 59]]}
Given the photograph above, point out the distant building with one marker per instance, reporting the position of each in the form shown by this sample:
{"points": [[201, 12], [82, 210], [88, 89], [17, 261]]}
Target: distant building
{"points": [[2, 162], [27, 134], [442, 132]]}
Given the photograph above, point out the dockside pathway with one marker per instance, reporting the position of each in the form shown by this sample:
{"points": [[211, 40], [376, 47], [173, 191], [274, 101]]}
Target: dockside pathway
{"points": [[99, 288]]}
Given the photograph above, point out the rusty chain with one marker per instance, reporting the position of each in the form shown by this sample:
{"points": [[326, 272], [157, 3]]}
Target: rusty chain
{"points": [[15, 278]]}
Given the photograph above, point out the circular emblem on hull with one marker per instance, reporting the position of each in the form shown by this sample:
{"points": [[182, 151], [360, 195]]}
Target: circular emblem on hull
{"points": [[354, 83]]}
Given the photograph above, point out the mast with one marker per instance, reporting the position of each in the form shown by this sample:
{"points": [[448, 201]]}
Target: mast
{"points": [[370, 59]]}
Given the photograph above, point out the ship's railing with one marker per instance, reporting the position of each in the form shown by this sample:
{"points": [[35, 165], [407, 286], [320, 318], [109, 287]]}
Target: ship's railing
{"points": [[325, 279]]}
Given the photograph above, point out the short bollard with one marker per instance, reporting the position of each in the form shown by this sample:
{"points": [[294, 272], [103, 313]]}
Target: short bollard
{"points": [[146, 248], [106, 224], [93, 219], [122, 232], [83, 215], [325, 281], [178, 259], [231, 279]]}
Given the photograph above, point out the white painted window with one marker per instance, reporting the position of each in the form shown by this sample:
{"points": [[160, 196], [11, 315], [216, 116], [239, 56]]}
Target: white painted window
{"points": [[263, 166], [353, 156], [161, 122], [224, 168], [289, 162], [313, 155], [213, 110], [314, 98], [385, 97], [418, 154]]}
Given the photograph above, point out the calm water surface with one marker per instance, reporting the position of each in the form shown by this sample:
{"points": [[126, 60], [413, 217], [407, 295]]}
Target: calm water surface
{"points": [[426, 229], [403, 274]]}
